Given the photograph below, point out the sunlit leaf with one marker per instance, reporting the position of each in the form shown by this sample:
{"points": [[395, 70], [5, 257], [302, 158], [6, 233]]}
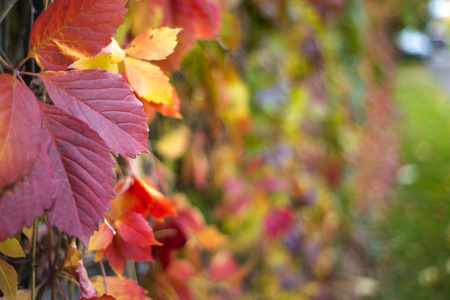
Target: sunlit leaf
{"points": [[153, 44], [148, 80], [72, 29]]}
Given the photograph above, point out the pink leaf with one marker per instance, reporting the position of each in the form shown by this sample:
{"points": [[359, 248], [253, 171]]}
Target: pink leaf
{"points": [[20, 130], [106, 102], [24, 201], [82, 170]]}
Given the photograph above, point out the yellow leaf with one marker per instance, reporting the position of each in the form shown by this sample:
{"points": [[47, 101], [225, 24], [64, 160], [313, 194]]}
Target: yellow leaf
{"points": [[106, 60], [174, 144], [148, 81], [153, 44], [11, 247], [8, 280], [73, 256]]}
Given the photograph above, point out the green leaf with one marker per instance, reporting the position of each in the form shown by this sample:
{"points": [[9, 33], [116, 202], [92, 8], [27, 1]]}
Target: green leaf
{"points": [[11, 247], [8, 280]]}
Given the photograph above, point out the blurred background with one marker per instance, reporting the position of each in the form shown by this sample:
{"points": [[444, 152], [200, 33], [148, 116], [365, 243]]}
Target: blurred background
{"points": [[306, 149], [314, 145]]}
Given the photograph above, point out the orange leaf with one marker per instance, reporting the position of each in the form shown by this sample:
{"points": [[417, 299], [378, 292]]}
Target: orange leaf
{"points": [[148, 81], [120, 288], [167, 110], [153, 44], [101, 238], [72, 29]]}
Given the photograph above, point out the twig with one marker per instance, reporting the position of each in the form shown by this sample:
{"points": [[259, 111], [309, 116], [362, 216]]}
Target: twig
{"points": [[3, 62], [104, 277], [33, 260], [8, 7], [57, 246]]}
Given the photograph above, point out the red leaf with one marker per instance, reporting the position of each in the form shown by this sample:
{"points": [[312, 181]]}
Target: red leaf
{"points": [[104, 297], [82, 169], [71, 29], [115, 257], [156, 204], [120, 288], [134, 229], [20, 130], [24, 201], [137, 253], [106, 102]]}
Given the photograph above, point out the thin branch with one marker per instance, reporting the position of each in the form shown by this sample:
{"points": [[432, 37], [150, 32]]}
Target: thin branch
{"points": [[3, 62], [33, 260], [8, 7], [104, 277]]}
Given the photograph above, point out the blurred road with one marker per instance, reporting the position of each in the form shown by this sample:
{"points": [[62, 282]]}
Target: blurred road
{"points": [[439, 64]]}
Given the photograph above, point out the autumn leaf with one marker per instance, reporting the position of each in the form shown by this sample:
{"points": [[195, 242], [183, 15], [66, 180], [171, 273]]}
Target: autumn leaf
{"points": [[108, 59], [120, 289], [73, 256], [22, 202], [170, 110], [8, 280], [104, 101], [82, 166], [20, 130], [148, 81], [87, 289], [11, 247], [104, 297], [153, 202], [199, 19], [20, 295], [153, 44], [72, 29], [134, 239], [135, 230]]}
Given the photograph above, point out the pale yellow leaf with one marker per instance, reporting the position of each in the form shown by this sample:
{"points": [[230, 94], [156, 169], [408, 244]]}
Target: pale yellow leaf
{"points": [[11, 247], [148, 81]]}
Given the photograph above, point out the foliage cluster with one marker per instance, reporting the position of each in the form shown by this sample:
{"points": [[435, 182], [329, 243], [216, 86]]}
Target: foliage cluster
{"points": [[272, 141]]}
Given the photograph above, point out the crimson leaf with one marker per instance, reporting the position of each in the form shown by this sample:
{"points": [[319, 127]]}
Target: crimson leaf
{"points": [[82, 170], [22, 202], [106, 102], [71, 29]]}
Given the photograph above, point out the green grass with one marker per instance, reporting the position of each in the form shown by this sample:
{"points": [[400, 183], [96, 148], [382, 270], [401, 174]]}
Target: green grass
{"points": [[417, 227]]}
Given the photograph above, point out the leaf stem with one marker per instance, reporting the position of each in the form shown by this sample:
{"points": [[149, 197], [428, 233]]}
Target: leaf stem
{"points": [[3, 62], [57, 246], [33, 260], [104, 277], [6, 10]]}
